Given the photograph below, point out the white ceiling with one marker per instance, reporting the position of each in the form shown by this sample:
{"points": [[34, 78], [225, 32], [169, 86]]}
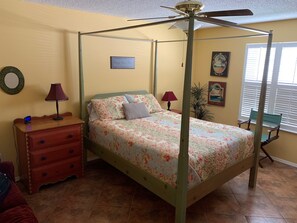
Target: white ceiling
{"points": [[264, 10]]}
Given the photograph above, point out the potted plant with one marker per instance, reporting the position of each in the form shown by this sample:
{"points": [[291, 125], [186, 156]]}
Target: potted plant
{"points": [[199, 102]]}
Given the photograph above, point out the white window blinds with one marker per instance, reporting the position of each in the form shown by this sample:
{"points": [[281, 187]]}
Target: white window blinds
{"points": [[281, 95]]}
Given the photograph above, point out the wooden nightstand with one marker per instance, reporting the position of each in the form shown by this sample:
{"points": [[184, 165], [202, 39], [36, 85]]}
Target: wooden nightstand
{"points": [[49, 151], [176, 111]]}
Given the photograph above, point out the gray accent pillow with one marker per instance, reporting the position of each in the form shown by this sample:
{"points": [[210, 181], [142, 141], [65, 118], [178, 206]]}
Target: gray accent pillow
{"points": [[135, 110]]}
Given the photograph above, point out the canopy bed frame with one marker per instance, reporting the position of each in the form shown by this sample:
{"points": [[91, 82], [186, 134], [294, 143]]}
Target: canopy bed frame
{"points": [[180, 197]]}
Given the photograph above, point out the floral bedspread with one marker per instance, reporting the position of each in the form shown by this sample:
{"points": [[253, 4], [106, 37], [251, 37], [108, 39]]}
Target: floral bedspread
{"points": [[153, 144]]}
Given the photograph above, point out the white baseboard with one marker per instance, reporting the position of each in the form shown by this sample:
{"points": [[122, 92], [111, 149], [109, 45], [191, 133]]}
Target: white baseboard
{"points": [[281, 160]]}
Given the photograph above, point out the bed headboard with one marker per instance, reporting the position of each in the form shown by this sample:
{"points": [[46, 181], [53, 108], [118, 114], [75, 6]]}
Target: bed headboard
{"points": [[106, 95]]}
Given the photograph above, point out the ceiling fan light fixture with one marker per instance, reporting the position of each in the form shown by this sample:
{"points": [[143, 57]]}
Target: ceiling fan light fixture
{"points": [[184, 25]]}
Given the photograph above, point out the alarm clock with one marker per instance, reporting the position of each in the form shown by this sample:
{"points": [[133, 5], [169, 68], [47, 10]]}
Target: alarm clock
{"points": [[27, 119]]}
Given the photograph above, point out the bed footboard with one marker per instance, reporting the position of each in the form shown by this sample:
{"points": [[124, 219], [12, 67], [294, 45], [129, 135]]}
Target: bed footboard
{"points": [[158, 187], [216, 181]]}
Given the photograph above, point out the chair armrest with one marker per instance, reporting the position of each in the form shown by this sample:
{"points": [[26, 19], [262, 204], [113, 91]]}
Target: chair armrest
{"points": [[271, 129], [7, 168], [240, 122]]}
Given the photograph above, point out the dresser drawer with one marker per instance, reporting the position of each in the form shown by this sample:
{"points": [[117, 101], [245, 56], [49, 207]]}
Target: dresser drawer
{"points": [[53, 154], [54, 137], [52, 172]]}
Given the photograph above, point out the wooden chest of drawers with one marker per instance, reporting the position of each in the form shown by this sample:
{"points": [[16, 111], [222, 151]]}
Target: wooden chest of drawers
{"points": [[49, 150]]}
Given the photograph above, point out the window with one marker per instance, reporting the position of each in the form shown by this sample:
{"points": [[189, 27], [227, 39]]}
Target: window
{"points": [[281, 95]]}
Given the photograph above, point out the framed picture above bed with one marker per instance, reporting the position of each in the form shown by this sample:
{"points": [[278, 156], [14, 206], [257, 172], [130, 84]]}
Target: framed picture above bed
{"points": [[117, 62], [216, 93], [219, 64]]}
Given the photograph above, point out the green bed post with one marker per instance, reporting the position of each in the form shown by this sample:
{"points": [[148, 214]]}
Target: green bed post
{"points": [[183, 158], [81, 80], [258, 130], [82, 94], [155, 69]]}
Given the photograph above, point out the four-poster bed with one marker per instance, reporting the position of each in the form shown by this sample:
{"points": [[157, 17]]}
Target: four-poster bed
{"points": [[180, 195]]}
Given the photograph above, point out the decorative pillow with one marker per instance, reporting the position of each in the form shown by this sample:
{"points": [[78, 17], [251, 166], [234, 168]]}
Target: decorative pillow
{"points": [[135, 110], [109, 108], [149, 100], [92, 113], [130, 98]]}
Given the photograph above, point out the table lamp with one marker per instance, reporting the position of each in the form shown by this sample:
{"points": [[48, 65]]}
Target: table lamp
{"points": [[56, 93], [169, 96]]}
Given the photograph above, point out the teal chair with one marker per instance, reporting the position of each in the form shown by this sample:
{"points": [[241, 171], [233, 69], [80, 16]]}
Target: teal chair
{"points": [[272, 123]]}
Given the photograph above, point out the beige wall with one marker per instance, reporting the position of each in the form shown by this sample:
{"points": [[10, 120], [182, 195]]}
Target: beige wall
{"points": [[283, 31], [42, 41]]}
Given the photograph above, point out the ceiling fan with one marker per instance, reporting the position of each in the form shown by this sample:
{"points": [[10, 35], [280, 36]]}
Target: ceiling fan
{"points": [[194, 7]]}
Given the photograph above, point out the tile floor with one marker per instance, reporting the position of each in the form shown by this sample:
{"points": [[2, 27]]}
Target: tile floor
{"points": [[105, 195]]}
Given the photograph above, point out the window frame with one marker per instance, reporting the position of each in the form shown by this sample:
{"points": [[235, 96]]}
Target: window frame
{"points": [[273, 86]]}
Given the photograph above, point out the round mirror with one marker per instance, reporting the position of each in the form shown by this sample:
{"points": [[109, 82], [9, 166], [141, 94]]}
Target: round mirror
{"points": [[11, 80]]}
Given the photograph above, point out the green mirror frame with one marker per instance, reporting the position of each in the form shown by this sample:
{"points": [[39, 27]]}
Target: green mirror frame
{"points": [[17, 87]]}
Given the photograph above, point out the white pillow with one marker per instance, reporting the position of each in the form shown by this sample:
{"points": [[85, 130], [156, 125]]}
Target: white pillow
{"points": [[149, 100]]}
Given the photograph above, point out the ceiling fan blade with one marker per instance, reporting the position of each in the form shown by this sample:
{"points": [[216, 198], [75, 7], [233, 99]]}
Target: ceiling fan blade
{"points": [[236, 12], [215, 21], [227, 24], [162, 17], [174, 10]]}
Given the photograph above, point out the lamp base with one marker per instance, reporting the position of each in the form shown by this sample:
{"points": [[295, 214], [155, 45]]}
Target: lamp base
{"points": [[57, 118], [168, 105]]}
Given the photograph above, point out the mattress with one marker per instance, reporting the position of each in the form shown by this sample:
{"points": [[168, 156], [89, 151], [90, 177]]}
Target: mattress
{"points": [[152, 144]]}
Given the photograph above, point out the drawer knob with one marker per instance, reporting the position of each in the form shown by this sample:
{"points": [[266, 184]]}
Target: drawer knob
{"points": [[44, 174], [42, 141], [43, 158], [70, 136], [71, 151], [71, 165]]}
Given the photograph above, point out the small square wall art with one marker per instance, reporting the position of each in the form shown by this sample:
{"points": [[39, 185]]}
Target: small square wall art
{"points": [[216, 93]]}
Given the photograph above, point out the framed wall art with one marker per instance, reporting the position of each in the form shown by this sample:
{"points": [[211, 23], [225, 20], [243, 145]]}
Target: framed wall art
{"points": [[122, 62], [12, 80], [216, 93], [219, 64]]}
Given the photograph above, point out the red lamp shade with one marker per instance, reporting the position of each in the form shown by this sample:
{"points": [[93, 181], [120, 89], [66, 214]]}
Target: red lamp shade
{"points": [[169, 96], [56, 93]]}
